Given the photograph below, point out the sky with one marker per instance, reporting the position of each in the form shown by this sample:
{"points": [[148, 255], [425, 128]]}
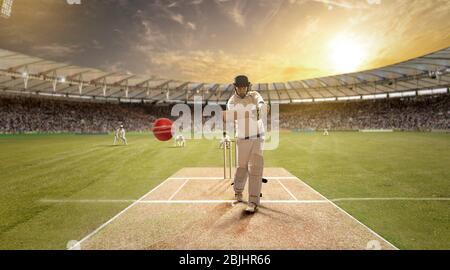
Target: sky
{"points": [[214, 40]]}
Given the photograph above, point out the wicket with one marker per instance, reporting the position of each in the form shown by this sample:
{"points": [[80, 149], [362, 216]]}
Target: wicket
{"points": [[228, 158]]}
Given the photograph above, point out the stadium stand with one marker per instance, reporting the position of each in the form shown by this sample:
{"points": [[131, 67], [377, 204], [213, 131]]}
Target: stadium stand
{"points": [[39, 95], [421, 113], [31, 114], [44, 115]]}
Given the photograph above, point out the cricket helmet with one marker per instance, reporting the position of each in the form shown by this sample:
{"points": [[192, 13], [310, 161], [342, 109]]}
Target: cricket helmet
{"points": [[241, 81]]}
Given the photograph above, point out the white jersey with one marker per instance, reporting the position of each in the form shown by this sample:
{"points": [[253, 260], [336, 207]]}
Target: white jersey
{"points": [[251, 102], [120, 135], [120, 132], [225, 139]]}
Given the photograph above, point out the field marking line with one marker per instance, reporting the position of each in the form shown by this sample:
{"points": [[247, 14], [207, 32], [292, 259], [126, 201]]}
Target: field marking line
{"points": [[352, 217], [221, 178], [391, 199], [86, 201], [180, 201], [287, 190], [229, 201], [268, 201], [115, 217], [178, 190]]}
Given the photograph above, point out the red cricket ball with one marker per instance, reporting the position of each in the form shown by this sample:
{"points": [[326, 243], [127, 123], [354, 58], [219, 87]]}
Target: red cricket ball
{"points": [[162, 129]]}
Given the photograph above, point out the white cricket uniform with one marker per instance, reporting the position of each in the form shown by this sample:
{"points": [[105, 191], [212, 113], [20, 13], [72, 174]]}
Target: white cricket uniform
{"points": [[225, 141], [180, 141], [120, 135], [250, 144]]}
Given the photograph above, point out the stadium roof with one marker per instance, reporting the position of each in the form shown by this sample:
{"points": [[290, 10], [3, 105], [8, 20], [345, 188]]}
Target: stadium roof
{"points": [[21, 73]]}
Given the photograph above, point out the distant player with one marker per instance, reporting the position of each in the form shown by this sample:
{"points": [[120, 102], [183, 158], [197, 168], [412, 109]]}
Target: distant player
{"points": [[120, 135], [325, 132], [180, 141], [225, 141]]}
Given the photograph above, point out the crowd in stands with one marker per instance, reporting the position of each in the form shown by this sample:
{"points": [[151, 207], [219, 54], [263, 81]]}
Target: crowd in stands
{"points": [[423, 113], [30, 114], [21, 114]]}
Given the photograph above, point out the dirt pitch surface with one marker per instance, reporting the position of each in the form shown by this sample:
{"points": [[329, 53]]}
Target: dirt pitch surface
{"points": [[194, 209]]}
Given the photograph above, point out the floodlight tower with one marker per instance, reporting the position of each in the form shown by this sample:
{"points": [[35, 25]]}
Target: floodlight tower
{"points": [[6, 8]]}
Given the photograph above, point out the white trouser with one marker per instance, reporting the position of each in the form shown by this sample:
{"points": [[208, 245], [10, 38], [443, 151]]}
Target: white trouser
{"points": [[251, 165], [122, 138]]}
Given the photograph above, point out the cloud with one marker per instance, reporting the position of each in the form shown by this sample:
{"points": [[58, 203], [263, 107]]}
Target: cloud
{"points": [[191, 25], [57, 50], [300, 50], [237, 15], [196, 39], [96, 45], [117, 66], [395, 33], [270, 10], [173, 4], [221, 67], [196, 2], [234, 11], [178, 18], [345, 4], [150, 38]]}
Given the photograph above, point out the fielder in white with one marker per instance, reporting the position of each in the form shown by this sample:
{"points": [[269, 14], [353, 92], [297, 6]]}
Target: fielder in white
{"points": [[120, 135], [325, 132], [248, 109], [180, 141], [225, 141]]}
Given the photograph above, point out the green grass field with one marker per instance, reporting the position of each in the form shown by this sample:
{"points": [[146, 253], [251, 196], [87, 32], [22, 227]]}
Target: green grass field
{"points": [[343, 165]]}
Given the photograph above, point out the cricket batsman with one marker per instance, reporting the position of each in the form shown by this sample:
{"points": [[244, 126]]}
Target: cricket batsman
{"points": [[250, 106]]}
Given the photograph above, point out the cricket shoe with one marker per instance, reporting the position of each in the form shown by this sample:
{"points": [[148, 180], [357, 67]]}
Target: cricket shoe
{"points": [[251, 208], [238, 198]]}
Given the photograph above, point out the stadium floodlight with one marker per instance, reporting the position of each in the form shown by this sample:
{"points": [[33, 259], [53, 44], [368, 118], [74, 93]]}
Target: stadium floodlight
{"points": [[349, 98], [324, 99], [302, 100], [6, 8], [432, 91]]}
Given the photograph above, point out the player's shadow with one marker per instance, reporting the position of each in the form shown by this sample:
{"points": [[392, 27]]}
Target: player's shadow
{"points": [[267, 211], [246, 215], [109, 145]]}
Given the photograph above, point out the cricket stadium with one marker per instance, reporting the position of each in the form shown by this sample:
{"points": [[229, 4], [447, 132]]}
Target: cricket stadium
{"points": [[356, 149]]}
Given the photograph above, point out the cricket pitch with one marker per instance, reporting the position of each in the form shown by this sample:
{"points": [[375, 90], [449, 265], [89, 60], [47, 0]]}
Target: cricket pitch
{"points": [[194, 209]]}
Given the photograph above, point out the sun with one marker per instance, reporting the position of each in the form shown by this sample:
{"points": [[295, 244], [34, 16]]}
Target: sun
{"points": [[346, 53]]}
